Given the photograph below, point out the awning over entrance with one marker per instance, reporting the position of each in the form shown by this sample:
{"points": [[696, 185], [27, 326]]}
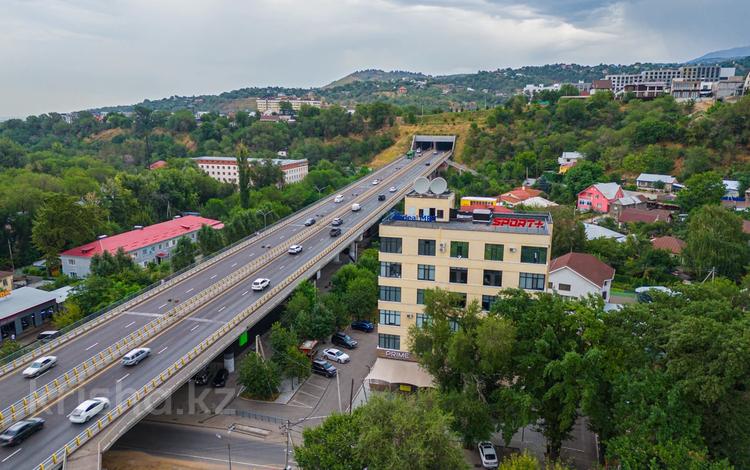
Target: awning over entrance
{"points": [[389, 373]]}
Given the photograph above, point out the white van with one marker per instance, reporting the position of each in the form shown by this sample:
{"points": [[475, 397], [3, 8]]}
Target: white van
{"points": [[356, 207], [339, 198]]}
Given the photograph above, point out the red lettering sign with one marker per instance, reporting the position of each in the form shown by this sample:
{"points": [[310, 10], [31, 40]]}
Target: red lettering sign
{"points": [[513, 222]]}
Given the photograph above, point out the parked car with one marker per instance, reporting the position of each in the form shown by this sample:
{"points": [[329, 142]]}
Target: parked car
{"points": [[319, 366], [334, 232], [19, 431], [392, 189], [294, 249], [381, 197], [356, 207], [343, 339], [220, 379], [363, 325], [336, 355], [201, 378], [488, 455], [260, 283], [88, 409], [135, 356], [48, 335], [40, 366], [337, 221], [338, 198]]}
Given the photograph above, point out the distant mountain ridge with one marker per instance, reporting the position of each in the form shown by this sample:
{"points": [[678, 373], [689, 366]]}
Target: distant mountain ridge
{"points": [[724, 54]]}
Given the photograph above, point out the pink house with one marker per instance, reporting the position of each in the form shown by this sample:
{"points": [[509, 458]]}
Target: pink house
{"points": [[598, 197]]}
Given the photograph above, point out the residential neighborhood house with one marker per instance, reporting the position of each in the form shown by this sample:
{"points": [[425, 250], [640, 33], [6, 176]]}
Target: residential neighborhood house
{"points": [[651, 182], [517, 196], [580, 274], [148, 244], [672, 244], [568, 160], [598, 197], [632, 215], [594, 231]]}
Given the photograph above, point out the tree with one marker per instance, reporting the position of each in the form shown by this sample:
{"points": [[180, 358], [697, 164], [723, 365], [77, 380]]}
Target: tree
{"points": [[297, 364], [69, 313], [182, 121], [183, 254], [261, 378], [265, 172], [243, 175], [286, 108], [210, 240], [581, 176], [701, 189], [12, 155], [715, 241], [388, 432], [106, 264], [569, 234]]}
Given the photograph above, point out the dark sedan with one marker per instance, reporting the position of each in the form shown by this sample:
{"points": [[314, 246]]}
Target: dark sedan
{"points": [[343, 339], [220, 379], [363, 325], [18, 432]]}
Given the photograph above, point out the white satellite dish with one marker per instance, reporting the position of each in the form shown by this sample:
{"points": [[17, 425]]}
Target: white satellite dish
{"points": [[438, 186], [421, 185]]}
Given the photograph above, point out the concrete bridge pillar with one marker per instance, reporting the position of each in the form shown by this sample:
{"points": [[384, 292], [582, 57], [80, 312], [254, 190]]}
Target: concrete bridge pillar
{"points": [[353, 251], [229, 361]]}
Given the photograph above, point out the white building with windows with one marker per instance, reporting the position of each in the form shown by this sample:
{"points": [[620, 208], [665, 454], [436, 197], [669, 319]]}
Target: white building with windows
{"points": [[580, 274], [225, 169]]}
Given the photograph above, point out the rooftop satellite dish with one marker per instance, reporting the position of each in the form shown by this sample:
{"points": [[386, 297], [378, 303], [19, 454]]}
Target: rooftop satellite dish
{"points": [[438, 186], [421, 185]]}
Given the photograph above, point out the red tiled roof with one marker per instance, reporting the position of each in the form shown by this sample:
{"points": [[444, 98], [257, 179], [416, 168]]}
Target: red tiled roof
{"points": [[518, 195], [672, 244], [632, 214], [158, 164], [139, 238], [588, 266]]}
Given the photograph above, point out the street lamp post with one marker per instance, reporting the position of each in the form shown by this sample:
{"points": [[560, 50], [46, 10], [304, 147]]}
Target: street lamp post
{"points": [[265, 213], [229, 445]]}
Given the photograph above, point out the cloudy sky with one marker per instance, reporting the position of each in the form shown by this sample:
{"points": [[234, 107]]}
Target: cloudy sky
{"points": [[62, 55]]}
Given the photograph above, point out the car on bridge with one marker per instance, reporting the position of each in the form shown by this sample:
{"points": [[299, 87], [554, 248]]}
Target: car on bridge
{"points": [[321, 367], [339, 198], [335, 232], [337, 221], [336, 355], [392, 189], [309, 222], [381, 197], [40, 366], [375, 181], [261, 283], [363, 325], [135, 356], [88, 409], [294, 249], [20, 431], [356, 207]]}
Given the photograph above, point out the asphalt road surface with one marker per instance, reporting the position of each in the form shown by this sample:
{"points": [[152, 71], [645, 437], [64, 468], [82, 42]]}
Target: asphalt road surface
{"points": [[118, 382]]}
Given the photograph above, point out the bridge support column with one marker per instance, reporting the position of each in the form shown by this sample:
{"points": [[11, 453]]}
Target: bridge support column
{"points": [[229, 361], [353, 251]]}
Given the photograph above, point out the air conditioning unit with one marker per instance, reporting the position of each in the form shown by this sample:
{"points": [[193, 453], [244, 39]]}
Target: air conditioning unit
{"points": [[513, 250], [442, 247], [409, 315]]}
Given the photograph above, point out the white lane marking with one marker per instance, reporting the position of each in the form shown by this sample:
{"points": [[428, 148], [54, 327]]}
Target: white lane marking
{"points": [[212, 459], [189, 290], [162, 349], [130, 324], [143, 314], [213, 276], [195, 328], [281, 267], [91, 346], [251, 254], [162, 306], [245, 293], [11, 455], [222, 308], [122, 378], [235, 264]]}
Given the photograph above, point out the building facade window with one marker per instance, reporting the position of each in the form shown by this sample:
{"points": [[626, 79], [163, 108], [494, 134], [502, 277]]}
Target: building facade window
{"points": [[487, 301], [71, 262], [565, 287], [460, 299], [389, 341], [459, 275], [390, 317], [453, 324], [493, 252], [390, 269], [459, 249], [390, 245], [531, 281], [422, 320], [533, 254], [390, 294], [426, 247], [425, 272], [492, 278], [420, 296]]}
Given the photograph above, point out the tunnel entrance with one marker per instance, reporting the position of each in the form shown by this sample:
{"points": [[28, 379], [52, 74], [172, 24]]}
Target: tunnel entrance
{"points": [[442, 143]]}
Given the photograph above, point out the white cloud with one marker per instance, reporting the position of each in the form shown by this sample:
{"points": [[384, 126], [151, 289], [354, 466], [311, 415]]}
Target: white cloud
{"points": [[71, 54]]}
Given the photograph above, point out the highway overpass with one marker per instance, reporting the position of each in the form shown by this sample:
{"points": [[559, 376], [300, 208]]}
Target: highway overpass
{"points": [[186, 323]]}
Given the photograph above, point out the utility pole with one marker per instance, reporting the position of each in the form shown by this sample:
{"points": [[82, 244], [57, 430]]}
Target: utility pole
{"points": [[288, 429], [351, 396]]}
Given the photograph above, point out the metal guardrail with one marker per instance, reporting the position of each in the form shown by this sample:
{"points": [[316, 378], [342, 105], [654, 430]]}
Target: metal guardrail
{"points": [[59, 456], [24, 356]]}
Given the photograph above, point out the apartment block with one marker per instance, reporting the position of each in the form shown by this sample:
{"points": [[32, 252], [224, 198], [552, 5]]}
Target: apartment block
{"points": [[224, 169]]}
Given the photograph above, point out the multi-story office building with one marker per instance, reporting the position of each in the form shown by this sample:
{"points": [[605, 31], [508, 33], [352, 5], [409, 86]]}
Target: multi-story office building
{"points": [[273, 105], [473, 255], [224, 169], [701, 73]]}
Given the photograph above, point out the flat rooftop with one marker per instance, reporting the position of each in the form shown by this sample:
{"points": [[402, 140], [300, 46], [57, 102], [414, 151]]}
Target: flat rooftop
{"points": [[276, 161], [531, 223], [23, 299]]}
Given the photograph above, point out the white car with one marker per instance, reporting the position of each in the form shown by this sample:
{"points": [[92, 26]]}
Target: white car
{"points": [[336, 355], [40, 366], [392, 189], [488, 455], [375, 181], [294, 249], [135, 356], [88, 409], [261, 283], [339, 198]]}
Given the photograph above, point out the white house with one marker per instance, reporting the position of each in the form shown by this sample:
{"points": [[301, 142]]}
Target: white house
{"points": [[580, 274], [652, 182], [569, 157]]}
